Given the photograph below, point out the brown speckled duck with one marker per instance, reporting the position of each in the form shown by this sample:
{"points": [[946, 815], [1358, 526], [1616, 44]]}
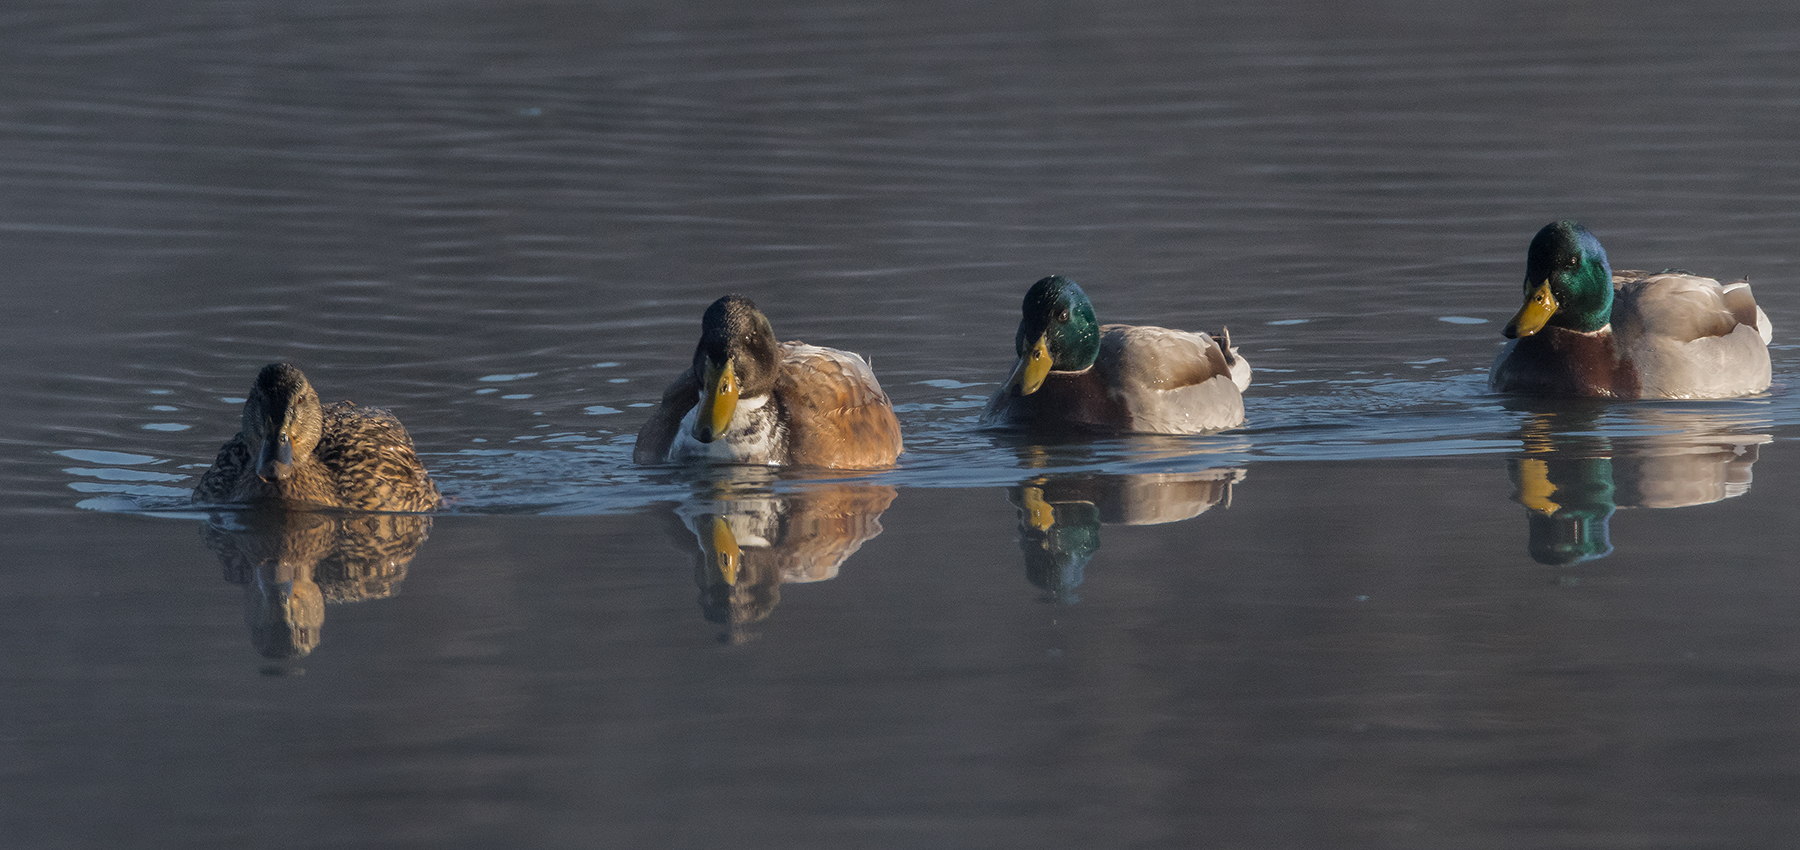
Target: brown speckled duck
{"points": [[291, 452], [749, 399]]}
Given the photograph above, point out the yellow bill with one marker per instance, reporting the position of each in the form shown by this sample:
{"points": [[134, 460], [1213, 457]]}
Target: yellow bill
{"points": [[1532, 317], [718, 402], [1032, 369]]}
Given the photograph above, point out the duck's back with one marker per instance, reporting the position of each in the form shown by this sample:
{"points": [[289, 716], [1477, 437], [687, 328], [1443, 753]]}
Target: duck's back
{"points": [[1690, 336], [219, 483], [369, 457], [1170, 381], [837, 414]]}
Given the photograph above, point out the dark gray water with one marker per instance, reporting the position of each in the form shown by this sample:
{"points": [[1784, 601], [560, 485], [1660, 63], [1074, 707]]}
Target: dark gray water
{"points": [[1392, 611]]}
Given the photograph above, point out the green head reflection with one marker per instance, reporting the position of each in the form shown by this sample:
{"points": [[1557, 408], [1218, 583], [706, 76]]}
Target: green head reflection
{"points": [[1569, 503], [1058, 541]]}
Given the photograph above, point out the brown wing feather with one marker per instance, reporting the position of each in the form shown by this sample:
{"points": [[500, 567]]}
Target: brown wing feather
{"points": [[837, 414], [371, 458], [658, 434], [218, 484]]}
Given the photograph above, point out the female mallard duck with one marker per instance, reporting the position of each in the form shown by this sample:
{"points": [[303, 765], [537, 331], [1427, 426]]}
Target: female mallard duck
{"points": [[290, 452], [750, 399], [1072, 373], [1586, 330]]}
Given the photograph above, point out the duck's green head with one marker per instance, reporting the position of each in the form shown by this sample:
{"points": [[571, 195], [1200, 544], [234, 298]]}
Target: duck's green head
{"points": [[1570, 501], [1058, 539], [282, 419], [736, 359], [1057, 332], [1568, 282]]}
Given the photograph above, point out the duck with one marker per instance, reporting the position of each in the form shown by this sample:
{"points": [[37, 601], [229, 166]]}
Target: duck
{"points": [[291, 452], [748, 399], [1587, 330], [1073, 373]]}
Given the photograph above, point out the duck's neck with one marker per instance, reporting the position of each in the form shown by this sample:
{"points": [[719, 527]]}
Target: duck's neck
{"points": [[756, 435]]}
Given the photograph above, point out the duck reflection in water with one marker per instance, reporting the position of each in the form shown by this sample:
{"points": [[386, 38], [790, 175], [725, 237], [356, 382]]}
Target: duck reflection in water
{"points": [[1571, 479], [1060, 516], [291, 563], [755, 536]]}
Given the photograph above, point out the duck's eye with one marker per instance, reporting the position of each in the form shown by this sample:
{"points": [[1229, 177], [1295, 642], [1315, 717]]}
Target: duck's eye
{"points": [[1062, 316]]}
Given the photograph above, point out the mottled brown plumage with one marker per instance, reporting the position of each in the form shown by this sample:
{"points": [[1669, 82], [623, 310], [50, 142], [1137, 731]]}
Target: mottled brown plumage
{"points": [[292, 452], [779, 404]]}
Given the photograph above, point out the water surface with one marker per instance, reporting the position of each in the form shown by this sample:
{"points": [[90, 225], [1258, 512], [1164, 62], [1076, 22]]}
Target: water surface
{"points": [[1392, 610]]}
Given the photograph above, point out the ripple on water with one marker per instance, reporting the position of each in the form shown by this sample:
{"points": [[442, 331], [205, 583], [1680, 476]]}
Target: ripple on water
{"points": [[98, 456], [121, 476], [1429, 412]]}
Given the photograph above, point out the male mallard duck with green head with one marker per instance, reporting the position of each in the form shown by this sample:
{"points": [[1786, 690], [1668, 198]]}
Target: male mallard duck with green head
{"points": [[1586, 330], [750, 399], [291, 452], [1073, 373]]}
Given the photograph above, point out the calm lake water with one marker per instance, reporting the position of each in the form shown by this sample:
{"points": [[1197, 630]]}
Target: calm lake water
{"points": [[1392, 611]]}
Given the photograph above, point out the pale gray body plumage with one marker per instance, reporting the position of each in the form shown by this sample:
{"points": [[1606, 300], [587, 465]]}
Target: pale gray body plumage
{"points": [[1170, 380], [1681, 335], [1145, 379], [1691, 336]]}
